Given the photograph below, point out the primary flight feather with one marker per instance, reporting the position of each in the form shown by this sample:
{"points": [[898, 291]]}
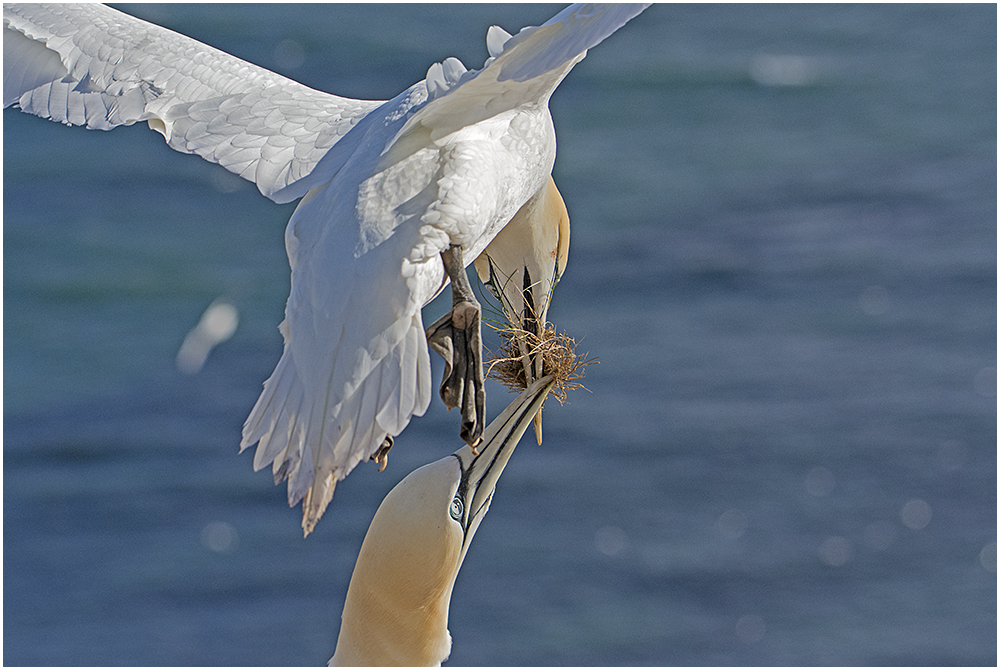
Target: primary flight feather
{"points": [[397, 196]]}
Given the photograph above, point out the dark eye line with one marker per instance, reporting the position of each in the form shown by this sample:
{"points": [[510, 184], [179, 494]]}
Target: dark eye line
{"points": [[463, 484]]}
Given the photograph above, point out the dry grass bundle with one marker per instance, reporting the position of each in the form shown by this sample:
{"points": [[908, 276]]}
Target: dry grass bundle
{"points": [[559, 358]]}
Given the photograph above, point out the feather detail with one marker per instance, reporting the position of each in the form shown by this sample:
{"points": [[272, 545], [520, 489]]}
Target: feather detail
{"points": [[90, 65], [496, 38], [312, 445], [387, 187]]}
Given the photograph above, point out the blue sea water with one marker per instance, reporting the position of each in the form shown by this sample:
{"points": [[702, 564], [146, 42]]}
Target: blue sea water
{"points": [[783, 254]]}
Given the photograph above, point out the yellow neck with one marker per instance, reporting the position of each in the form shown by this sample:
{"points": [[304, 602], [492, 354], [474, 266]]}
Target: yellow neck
{"points": [[375, 632]]}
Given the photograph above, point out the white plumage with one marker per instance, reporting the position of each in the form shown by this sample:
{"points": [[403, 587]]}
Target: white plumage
{"points": [[90, 65], [388, 187]]}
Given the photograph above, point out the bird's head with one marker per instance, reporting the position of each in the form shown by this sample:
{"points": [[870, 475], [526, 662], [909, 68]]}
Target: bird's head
{"points": [[522, 265], [396, 611]]}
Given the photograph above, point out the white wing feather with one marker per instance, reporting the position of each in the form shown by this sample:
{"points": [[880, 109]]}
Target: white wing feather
{"points": [[90, 65], [390, 185], [364, 245]]}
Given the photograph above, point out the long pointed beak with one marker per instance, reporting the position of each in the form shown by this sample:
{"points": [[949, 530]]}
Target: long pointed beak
{"points": [[533, 362], [481, 471]]}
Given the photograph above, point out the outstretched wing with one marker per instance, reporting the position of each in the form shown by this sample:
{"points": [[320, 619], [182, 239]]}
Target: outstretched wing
{"points": [[90, 65], [521, 69], [429, 169]]}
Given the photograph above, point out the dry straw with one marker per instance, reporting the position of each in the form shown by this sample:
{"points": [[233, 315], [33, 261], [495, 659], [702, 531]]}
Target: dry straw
{"points": [[559, 358]]}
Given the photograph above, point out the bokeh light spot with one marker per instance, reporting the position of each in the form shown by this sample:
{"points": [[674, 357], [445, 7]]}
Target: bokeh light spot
{"points": [[916, 514], [988, 557], [874, 301], [732, 523], [775, 70], [226, 182], [219, 537], [820, 482], [216, 325], [611, 541], [836, 551], [289, 54]]}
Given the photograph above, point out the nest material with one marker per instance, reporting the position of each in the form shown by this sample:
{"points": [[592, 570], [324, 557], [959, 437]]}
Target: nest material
{"points": [[559, 359]]}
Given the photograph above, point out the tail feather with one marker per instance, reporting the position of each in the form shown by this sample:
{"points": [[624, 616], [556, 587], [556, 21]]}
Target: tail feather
{"points": [[300, 477], [282, 432], [273, 413], [312, 446], [317, 498]]}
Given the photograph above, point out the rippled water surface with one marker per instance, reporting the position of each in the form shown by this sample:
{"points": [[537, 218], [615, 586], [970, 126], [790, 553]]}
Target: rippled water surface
{"points": [[783, 254]]}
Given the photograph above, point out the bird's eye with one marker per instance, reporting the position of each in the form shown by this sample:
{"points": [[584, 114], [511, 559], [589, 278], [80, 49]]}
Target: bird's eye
{"points": [[457, 509]]}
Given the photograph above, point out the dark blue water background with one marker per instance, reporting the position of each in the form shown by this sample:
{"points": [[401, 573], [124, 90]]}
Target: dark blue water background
{"points": [[783, 253]]}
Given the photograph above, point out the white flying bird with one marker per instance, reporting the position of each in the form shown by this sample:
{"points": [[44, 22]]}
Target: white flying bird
{"points": [[397, 198]]}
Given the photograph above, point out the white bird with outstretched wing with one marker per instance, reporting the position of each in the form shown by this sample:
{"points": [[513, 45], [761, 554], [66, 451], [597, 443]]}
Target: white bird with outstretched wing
{"points": [[93, 66], [399, 196]]}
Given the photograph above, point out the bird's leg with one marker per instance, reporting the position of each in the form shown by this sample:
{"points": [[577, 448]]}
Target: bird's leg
{"points": [[382, 455], [457, 336]]}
